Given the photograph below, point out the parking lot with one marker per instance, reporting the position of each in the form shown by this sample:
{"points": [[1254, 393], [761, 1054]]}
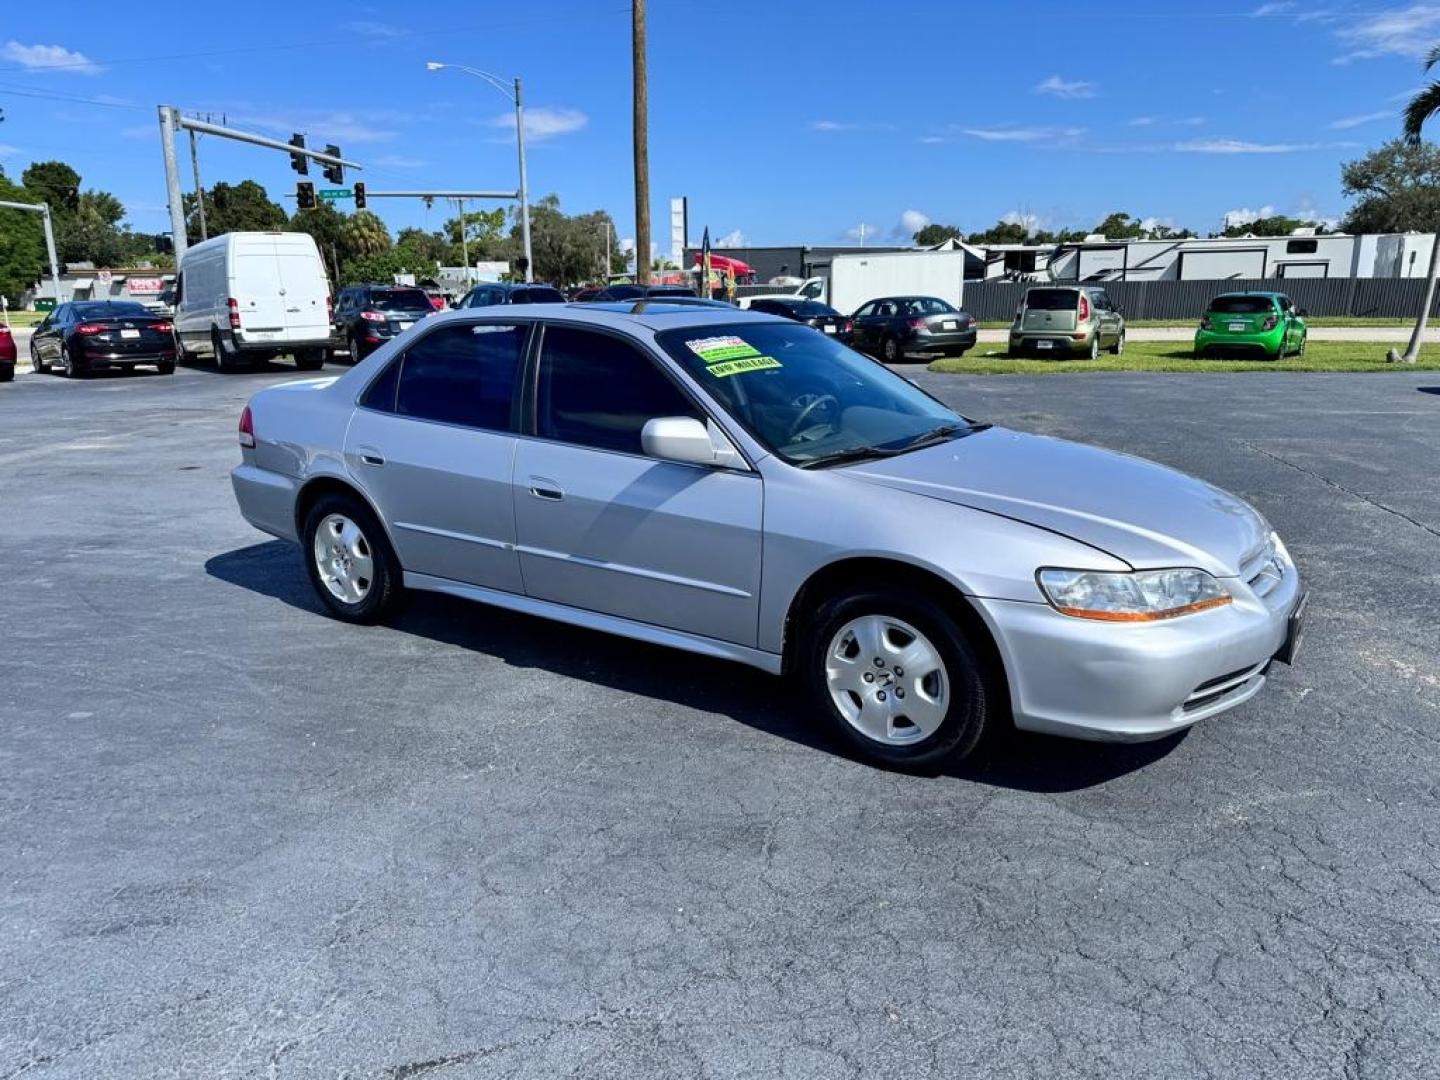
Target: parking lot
{"points": [[242, 839]]}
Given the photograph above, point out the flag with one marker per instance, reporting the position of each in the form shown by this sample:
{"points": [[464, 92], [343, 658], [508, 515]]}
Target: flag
{"points": [[705, 263]]}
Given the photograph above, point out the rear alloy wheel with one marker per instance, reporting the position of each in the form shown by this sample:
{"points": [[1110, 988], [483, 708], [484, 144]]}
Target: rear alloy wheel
{"points": [[217, 347], [352, 567], [67, 364], [37, 365], [891, 350], [897, 678], [354, 349], [1095, 346]]}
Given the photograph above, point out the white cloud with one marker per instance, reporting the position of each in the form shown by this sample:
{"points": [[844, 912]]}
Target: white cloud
{"points": [[544, 123], [1240, 146], [1345, 123], [1055, 86], [911, 222], [1407, 31], [1278, 8], [340, 127], [1244, 215], [1144, 121], [832, 125], [6, 150], [1153, 121], [1032, 222], [399, 161], [735, 238], [1023, 134], [379, 31], [48, 58]]}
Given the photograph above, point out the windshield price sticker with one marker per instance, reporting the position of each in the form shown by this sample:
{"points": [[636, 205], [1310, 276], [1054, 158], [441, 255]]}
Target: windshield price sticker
{"points": [[730, 355], [744, 364]]}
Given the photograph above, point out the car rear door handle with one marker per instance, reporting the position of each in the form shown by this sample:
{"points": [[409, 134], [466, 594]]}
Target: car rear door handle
{"points": [[370, 456], [542, 487]]}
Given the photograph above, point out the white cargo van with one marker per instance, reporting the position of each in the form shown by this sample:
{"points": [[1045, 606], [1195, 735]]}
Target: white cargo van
{"points": [[249, 296]]}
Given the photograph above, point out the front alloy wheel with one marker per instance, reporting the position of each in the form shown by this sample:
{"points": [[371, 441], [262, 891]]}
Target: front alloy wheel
{"points": [[887, 680], [891, 350]]}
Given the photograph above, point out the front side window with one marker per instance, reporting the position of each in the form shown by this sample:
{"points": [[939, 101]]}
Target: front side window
{"points": [[463, 374], [596, 390], [866, 310], [806, 397]]}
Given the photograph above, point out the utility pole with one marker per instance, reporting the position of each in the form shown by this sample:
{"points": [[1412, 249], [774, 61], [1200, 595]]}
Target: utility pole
{"points": [[172, 180], [464, 241], [642, 143], [524, 185], [199, 187], [43, 209]]}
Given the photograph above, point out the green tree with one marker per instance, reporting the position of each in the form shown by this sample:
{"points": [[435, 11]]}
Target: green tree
{"points": [[1275, 225], [1002, 232], [1424, 105], [242, 207], [934, 234], [364, 234], [430, 247], [484, 233], [22, 243], [1397, 188], [567, 249], [1120, 226], [55, 183]]}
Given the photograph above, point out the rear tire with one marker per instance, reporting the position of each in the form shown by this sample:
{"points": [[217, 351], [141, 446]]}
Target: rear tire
{"points": [[310, 359], [7, 372], [1301, 350], [1095, 346], [352, 567], [166, 368], [217, 346], [863, 697], [354, 343], [67, 364], [1119, 349]]}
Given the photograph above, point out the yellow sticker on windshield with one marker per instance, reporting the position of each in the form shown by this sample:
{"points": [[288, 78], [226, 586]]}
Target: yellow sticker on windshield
{"points": [[739, 367], [715, 349]]}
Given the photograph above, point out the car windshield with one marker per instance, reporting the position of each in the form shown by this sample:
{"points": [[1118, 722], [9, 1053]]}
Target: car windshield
{"points": [[540, 294], [1051, 299], [804, 396], [109, 309], [399, 300], [1242, 305]]}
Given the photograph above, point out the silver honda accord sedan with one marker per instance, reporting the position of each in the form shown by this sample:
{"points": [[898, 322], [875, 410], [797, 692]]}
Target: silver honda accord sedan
{"points": [[738, 485]]}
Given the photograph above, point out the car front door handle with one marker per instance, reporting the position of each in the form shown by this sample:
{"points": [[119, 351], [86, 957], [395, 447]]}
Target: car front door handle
{"points": [[542, 487], [370, 456]]}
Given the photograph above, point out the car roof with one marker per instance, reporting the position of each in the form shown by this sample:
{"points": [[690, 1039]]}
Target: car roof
{"points": [[654, 315]]}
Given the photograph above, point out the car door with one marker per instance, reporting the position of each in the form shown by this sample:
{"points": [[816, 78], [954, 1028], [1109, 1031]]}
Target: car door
{"points": [[602, 527], [865, 320], [44, 336], [432, 445], [1104, 316], [1287, 319]]}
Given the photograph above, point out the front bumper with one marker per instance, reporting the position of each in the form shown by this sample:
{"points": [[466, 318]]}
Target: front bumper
{"points": [[1222, 341], [1122, 682]]}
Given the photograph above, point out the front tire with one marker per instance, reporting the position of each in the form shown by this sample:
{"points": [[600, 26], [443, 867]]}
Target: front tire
{"points": [[896, 677], [1301, 350], [351, 564], [1119, 349], [890, 351], [38, 366]]}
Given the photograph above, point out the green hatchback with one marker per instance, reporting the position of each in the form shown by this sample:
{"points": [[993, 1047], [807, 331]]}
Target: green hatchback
{"points": [[1252, 322]]}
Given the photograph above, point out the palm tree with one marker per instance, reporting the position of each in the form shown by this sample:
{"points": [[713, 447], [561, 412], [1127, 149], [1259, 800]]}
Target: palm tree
{"points": [[365, 234], [1425, 104]]}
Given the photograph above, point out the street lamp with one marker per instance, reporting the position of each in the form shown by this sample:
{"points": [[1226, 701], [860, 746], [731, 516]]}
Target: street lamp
{"points": [[514, 95]]}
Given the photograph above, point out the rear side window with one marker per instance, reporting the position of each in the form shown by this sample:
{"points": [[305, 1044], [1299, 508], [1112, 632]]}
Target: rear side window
{"points": [[380, 394], [1052, 299], [1242, 305], [463, 374], [596, 390]]}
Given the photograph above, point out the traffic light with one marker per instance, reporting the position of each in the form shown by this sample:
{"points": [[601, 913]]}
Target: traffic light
{"points": [[305, 195], [359, 194], [299, 162], [334, 173]]}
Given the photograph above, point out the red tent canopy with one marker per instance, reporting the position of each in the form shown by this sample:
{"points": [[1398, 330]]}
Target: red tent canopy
{"points": [[725, 262]]}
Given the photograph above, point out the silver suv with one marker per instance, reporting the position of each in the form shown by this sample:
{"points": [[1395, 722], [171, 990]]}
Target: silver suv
{"points": [[1067, 321], [738, 485]]}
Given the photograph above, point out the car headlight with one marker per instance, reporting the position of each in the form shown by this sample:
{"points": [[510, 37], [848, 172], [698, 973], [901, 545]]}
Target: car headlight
{"points": [[1140, 596]]}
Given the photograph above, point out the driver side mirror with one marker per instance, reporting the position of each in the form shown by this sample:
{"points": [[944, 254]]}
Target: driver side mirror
{"points": [[689, 441]]}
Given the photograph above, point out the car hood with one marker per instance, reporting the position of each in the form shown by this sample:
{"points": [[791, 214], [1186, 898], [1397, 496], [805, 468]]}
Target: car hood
{"points": [[1146, 514]]}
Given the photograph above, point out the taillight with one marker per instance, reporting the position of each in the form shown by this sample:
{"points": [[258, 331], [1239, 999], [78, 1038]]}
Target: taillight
{"points": [[163, 327], [1204, 322], [917, 324], [88, 328], [1270, 323], [329, 308], [1084, 308], [247, 429], [372, 316], [234, 306], [849, 326]]}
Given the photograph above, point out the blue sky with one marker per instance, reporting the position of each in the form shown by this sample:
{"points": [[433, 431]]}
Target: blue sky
{"points": [[783, 122]]}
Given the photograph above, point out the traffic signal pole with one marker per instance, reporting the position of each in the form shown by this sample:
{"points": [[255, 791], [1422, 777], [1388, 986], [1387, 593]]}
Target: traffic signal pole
{"points": [[43, 209], [171, 121]]}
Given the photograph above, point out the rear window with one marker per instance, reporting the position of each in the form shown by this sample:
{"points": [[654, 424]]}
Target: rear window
{"points": [[1052, 299], [544, 295], [1242, 305], [399, 300], [105, 309], [929, 305]]}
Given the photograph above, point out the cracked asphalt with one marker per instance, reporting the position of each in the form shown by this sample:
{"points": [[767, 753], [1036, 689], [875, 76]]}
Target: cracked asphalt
{"points": [[240, 839]]}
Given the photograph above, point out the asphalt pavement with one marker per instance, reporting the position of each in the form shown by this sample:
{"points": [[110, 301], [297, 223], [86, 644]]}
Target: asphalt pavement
{"points": [[240, 839]]}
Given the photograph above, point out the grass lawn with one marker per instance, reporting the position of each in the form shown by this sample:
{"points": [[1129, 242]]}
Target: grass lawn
{"points": [[1312, 321], [26, 318], [1176, 356]]}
